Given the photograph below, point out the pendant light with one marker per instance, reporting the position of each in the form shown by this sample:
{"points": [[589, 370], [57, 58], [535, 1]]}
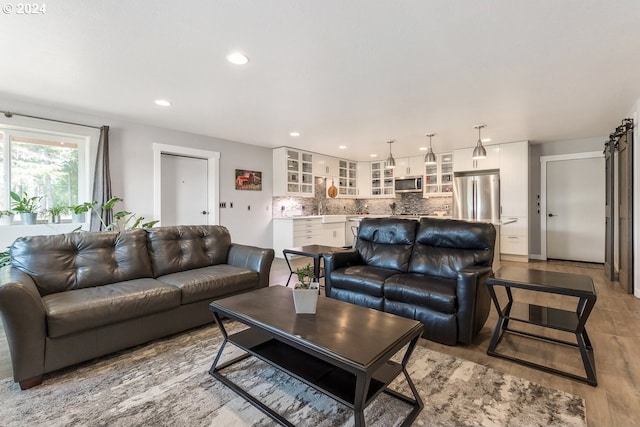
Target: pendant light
{"points": [[479, 152], [430, 158], [390, 163]]}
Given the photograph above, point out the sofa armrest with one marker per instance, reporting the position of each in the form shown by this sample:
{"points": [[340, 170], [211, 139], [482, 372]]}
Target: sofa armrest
{"points": [[336, 260], [474, 302], [24, 319], [252, 258]]}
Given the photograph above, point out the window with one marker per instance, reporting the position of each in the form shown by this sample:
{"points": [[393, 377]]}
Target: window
{"points": [[49, 164]]}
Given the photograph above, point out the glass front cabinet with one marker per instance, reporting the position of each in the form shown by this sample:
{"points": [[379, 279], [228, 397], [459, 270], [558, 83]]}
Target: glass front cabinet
{"points": [[381, 180], [347, 179], [292, 172], [439, 177]]}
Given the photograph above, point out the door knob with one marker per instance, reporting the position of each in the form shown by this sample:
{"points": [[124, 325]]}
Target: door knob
{"points": [[550, 215], [204, 213]]}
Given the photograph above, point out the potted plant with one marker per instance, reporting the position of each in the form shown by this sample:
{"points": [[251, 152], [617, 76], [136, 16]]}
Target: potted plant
{"points": [[305, 292], [6, 217], [55, 212], [78, 211], [26, 206]]}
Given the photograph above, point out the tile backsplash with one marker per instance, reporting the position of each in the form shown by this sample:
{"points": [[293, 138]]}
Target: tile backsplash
{"points": [[320, 204]]}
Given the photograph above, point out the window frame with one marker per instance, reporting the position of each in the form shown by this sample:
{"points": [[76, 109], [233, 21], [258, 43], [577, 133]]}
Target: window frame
{"points": [[86, 139]]}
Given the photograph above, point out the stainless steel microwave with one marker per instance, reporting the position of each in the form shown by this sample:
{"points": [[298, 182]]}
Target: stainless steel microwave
{"points": [[408, 184]]}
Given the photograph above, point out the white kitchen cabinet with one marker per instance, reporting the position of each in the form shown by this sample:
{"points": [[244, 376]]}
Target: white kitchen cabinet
{"points": [[363, 179], [514, 179], [438, 178], [333, 234], [463, 159], [514, 200], [292, 232], [381, 181], [514, 238], [292, 172], [326, 166], [347, 178], [410, 166]]}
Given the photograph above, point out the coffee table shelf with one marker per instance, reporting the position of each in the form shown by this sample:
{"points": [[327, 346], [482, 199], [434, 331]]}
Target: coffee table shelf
{"points": [[326, 377]]}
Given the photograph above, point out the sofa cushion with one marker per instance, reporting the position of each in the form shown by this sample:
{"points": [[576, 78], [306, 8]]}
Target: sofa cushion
{"points": [[363, 279], [211, 282], [87, 308], [386, 242], [445, 246], [419, 290], [181, 248], [64, 262]]}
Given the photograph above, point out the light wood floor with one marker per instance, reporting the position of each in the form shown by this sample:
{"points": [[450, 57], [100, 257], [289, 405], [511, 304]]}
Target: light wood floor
{"points": [[614, 329]]}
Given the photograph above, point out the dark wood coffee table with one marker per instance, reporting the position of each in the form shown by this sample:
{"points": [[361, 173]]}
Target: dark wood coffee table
{"points": [[343, 350]]}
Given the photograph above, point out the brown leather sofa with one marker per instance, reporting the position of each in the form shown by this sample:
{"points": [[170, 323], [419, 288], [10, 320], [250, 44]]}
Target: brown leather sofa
{"points": [[434, 271], [72, 297]]}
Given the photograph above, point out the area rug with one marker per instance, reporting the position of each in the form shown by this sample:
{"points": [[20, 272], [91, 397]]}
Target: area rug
{"points": [[166, 383]]}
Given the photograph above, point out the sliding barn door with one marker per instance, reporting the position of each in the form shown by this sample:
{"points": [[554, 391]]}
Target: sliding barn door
{"points": [[625, 211]]}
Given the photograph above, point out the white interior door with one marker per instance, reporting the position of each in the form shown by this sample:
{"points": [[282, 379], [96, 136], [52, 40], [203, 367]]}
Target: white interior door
{"points": [[576, 209], [184, 190]]}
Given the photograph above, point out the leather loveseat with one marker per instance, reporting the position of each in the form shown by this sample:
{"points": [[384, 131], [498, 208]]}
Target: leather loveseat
{"points": [[432, 270], [72, 297]]}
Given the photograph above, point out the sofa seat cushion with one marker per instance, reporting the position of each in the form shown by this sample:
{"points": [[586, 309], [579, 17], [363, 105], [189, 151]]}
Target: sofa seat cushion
{"points": [[364, 279], [211, 282], [436, 293], [87, 308]]}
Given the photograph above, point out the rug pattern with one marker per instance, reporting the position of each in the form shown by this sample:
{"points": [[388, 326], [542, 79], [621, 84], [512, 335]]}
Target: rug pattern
{"points": [[167, 383]]}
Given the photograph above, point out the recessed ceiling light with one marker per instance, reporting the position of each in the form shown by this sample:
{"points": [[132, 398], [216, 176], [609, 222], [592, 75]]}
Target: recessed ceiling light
{"points": [[486, 139], [342, 147], [162, 102], [294, 133], [373, 155], [237, 58], [422, 148]]}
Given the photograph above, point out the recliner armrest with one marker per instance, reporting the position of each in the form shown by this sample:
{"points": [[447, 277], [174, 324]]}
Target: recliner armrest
{"points": [[473, 301], [24, 319], [252, 258], [336, 260]]}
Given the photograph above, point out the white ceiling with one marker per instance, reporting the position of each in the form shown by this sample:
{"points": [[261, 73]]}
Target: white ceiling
{"points": [[341, 72]]}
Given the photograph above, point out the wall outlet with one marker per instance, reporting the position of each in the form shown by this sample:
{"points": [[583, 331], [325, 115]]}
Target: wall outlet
{"points": [[223, 204], [446, 207]]}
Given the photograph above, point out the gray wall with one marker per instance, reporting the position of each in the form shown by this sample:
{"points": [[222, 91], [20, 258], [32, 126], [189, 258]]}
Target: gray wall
{"points": [[132, 168], [551, 149]]}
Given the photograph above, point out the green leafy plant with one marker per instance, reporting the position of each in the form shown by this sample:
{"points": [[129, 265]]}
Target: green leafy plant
{"points": [[82, 208], [122, 220], [58, 210], [6, 213], [24, 203], [305, 277]]}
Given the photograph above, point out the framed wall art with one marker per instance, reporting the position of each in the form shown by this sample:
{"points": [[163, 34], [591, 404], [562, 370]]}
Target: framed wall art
{"points": [[248, 180]]}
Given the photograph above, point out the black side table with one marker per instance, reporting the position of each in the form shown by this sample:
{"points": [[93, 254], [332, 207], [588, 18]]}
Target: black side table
{"points": [[569, 321], [311, 251]]}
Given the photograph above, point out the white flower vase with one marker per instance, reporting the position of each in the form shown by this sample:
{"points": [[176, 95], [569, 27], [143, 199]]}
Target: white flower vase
{"points": [[6, 220], [306, 300]]}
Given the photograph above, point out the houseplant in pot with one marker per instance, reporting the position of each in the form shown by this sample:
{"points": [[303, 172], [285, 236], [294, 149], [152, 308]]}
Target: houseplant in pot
{"points": [[78, 212], [26, 206], [6, 217], [55, 212], [305, 292]]}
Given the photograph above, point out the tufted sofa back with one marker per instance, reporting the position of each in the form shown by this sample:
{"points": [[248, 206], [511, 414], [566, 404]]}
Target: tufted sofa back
{"points": [[386, 242], [444, 246], [179, 248], [64, 262]]}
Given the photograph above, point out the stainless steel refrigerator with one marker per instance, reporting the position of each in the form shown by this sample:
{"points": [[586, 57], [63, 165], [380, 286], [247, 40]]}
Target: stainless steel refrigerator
{"points": [[476, 196]]}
